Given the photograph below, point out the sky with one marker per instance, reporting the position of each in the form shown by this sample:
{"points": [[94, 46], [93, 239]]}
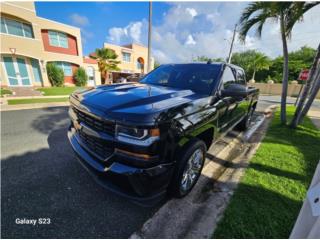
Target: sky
{"points": [[181, 30]]}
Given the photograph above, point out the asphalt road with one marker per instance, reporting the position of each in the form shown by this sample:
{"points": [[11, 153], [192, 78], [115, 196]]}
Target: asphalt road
{"points": [[265, 101], [42, 179]]}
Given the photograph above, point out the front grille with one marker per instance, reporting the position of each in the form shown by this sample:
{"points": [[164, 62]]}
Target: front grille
{"points": [[96, 145], [95, 123]]}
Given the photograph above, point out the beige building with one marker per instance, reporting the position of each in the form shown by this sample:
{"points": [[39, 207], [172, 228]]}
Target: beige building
{"points": [[133, 59], [94, 75], [29, 42]]}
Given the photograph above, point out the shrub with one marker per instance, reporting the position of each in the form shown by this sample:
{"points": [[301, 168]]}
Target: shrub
{"points": [[55, 75], [81, 77]]}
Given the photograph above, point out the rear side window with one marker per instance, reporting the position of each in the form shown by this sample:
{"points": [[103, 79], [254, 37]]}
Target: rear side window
{"points": [[241, 79], [228, 77]]}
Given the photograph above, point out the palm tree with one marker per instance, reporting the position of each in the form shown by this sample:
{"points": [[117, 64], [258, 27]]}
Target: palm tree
{"points": [[313, 94], [259, 62], [286, 14], [107, 61], [298, 115]]}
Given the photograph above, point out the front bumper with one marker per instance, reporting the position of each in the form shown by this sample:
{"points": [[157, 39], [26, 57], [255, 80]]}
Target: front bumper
{"points": [[139, 184]]}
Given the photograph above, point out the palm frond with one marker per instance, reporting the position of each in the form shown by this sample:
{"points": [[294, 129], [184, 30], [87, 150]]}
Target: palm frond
{"points": [[295, 14], [255, 14]]}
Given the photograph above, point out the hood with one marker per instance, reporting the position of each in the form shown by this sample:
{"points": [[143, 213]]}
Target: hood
{"points": [[134, 101]]}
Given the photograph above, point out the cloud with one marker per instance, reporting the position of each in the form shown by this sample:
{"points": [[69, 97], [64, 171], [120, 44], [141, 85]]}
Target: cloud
{"points": [[133, 32], [78, 20], [192, 12], [82, 22], [190, 40], [193, 29]]}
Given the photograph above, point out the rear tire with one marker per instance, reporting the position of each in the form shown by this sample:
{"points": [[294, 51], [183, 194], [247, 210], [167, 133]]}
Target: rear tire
{"points": [[188, 169]]}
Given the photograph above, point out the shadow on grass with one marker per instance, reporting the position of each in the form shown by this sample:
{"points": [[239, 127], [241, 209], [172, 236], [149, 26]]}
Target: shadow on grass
{"points": [[270, 195], [257, 167]]}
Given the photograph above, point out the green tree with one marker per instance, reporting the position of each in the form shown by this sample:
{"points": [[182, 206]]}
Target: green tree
{"points": [[156, 64], [286, 14], [259, 62], [81, 77], [251, 61], [206, 59], [298, 60], [107, 61], [55, 75]]}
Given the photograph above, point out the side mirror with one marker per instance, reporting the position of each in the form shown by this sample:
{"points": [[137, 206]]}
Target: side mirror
{"points": [[235, 90]]}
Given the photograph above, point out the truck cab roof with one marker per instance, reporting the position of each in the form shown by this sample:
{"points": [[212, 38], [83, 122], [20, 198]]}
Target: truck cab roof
{"points": [[222, 64]]}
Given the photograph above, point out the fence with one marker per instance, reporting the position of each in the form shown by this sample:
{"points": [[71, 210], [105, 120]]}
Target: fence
{"points": [[276, 88]]}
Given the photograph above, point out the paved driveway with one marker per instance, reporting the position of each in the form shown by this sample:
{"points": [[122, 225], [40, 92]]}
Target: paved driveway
{"points": [[42, 179]]}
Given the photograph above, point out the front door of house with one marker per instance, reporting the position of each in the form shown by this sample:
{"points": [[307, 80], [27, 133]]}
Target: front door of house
{"points": [[90, 73], [17, 72]]}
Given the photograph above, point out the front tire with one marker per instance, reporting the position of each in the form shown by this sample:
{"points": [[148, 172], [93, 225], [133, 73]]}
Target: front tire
{"points": [[188, 169]]}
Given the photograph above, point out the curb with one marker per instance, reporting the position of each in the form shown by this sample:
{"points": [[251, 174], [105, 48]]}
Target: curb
{"points": [[31, 97], [196, 215]]}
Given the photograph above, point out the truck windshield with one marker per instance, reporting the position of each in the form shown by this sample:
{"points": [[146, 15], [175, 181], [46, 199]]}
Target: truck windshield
{"points": [[199, 78]]}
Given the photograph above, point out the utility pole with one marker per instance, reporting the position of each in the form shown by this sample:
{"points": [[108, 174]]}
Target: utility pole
{"points": [[149, 36], [231, 46]]}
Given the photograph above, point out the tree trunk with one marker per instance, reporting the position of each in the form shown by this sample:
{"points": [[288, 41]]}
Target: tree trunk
{"points": [[308, 88], [285, 73], [254, 74], [312, 96]]}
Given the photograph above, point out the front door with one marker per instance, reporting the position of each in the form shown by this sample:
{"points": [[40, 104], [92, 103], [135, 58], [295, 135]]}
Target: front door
{"points": [[90, 73], [17, 71]]}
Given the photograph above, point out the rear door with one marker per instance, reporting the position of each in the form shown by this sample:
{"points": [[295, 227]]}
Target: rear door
{"points": [[242, 103], [229, 103]]}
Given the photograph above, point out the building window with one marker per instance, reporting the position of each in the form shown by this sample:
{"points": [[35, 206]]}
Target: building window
{"points": [[66, 67], [58, 39], [126, 57], [36, 70], [17, 28]]}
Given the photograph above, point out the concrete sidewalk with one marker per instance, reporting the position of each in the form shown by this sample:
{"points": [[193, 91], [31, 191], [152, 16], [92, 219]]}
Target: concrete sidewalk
{"points": [[6, 107], [31, 97], [315, 117]]}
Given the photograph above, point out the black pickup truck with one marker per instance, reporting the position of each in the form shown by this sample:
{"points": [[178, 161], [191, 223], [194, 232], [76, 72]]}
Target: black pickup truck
{"points": [[145, 139]]}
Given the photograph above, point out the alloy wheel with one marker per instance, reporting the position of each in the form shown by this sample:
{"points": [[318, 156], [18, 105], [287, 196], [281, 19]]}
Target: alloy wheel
{"points": [[192, 170]]}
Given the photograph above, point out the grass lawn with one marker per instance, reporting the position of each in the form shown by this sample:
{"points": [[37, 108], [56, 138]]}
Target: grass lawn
{"points": [[56, 91], [270, 194], [36, 100], [4, 91]]}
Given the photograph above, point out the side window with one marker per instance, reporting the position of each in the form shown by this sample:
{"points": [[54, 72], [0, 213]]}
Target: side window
{"points": [[228, 77], [58, 39], [241, 79], [13, 27]]}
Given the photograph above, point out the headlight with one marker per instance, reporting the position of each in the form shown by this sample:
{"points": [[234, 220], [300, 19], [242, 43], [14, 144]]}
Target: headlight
{"points": [[137, 135], [131, 132]]}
